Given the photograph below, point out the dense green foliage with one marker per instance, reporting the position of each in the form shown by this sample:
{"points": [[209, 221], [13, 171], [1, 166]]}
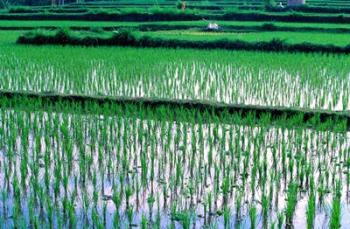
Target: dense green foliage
{"points": [[170, 14], [127, 38], [226, 27]]}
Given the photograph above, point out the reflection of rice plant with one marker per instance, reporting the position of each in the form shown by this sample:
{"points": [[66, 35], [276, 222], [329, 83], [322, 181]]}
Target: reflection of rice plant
{"points": [[252, 216], [130, 215], [336, 208], [157, 224], [311, 207], [150, 201], [184, 218], [84, 157], [117, 202], [280, 220], [291, 202], [238, 204], [265, 209], [144, 222], [128, 194], [227, 216], [226, 189]]}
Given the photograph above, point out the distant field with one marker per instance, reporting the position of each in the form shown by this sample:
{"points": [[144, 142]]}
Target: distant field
{"points": [[28, 23], [8, 38], [75, 74], [172, 13], [10, 23], [295, 37]]}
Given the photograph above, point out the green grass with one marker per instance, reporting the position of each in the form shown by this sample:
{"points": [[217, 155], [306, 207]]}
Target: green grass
{"points": [[290, 38], [10, 23], [225, 25], [170, 13], [7, 38], [33, 23], [219, 74]]}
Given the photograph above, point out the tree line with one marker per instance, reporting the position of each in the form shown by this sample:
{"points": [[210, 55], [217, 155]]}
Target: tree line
{"points": [[9, 3]]}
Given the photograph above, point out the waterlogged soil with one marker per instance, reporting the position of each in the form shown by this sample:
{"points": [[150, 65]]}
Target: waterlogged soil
{"points": [[320, 88], [73, 170]]}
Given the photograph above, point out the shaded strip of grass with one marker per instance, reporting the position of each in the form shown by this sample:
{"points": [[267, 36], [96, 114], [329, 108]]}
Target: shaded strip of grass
{"points": [[266, 27], [173, 15], [106, 16], [289, 117], [127, 38], [311, 9]]}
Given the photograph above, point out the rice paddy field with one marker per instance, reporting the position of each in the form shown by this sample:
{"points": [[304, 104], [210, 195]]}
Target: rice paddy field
{"points": [[341, 39], [201, 24], [135, 137], [217, 76]]}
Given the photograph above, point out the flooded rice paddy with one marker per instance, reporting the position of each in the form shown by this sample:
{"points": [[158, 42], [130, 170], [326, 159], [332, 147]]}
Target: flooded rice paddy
{"points": [[250, 79], [65, 170]]}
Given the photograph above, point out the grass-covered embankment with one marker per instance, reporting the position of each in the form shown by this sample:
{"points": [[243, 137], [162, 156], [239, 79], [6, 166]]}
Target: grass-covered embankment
{"points": [[169, 14], [225, 26], [127, 38], [280, 116]]}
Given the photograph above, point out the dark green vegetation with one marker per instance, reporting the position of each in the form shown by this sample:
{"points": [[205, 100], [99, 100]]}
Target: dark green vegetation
{"points": [[255, 25], [225, 26], [177, 15], [177, 130], [127, 38], [168, 10], [318, 119]]}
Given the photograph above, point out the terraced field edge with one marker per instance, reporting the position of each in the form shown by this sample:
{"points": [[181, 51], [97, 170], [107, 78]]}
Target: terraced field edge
{"points": [[332, 120], [127, 38]]}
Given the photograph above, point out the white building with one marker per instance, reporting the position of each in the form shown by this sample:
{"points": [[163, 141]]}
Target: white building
{"points": [[213, 26]]}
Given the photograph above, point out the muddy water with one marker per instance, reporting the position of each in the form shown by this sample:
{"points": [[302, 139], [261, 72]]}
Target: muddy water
{"points": [[178, 164]]}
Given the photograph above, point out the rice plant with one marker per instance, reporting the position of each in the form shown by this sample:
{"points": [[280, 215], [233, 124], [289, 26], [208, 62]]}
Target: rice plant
{"points": [[229, 77], [122, 166]]}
